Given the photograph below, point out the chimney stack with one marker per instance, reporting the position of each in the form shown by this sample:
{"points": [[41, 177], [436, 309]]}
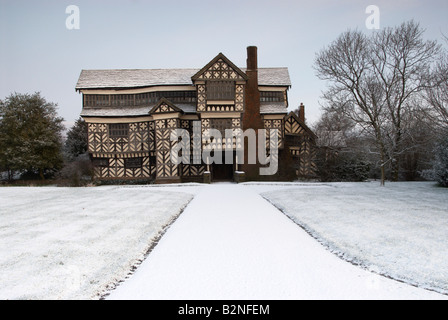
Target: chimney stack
{"points": [[251, 62], [251, 116], [302, 112]]}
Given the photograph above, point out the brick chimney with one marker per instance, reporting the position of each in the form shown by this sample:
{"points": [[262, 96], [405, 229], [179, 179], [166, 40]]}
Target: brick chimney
{"points": [[302, 112], [252, 117], [252, 59]]}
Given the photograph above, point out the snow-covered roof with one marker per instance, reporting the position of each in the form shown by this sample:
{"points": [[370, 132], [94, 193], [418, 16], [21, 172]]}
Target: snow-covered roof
{"points": [[273, 107], [265, 108], [138, 78], [131, 111]]}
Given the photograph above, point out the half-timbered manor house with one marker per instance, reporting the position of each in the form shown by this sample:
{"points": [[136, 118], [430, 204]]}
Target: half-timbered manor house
{"points": [[131, 113]]}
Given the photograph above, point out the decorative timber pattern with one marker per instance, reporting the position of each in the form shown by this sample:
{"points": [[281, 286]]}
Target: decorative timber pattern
{"points": [[274, 124], [193, 169], [202, 105], [102, 143], [220, 70], [116, 168], [302, 146], [152, 136], [164, 167], [164, 106], [98, 138], [293, 126], [221, 125], [201, 98], [131, 148], [115, 151], [239, 97], [220, 108]]}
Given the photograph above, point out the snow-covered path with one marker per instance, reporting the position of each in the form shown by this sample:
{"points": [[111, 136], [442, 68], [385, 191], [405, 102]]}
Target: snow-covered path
{"points": [[230, 243]]}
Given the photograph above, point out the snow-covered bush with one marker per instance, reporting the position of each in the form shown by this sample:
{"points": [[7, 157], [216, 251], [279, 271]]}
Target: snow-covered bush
{"points": [[441, 163], [76, 173], [342, 166]]}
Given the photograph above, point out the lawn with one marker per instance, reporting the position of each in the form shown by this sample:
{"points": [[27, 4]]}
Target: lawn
{"points": [[400, 230], [77, 243], [71, 243]]}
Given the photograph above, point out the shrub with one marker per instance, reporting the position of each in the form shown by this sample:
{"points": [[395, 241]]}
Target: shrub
{"points": [[441, 163], [77, 173], [341, 166]]}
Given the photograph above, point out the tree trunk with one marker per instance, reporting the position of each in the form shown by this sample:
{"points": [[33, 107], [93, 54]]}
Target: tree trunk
{"points": [[396, 169], [383, 169], [41, 174]]}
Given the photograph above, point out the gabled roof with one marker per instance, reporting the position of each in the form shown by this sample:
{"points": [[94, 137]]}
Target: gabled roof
{"points": [[219, 57], [301, 123], [164, 106]]}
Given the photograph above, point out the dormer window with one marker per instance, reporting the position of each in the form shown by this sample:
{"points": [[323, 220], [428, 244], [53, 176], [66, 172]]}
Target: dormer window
{"points": [[220, 90]]}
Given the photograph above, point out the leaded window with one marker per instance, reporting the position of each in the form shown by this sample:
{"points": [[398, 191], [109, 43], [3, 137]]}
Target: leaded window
{"points": [[140, 99], [118, 130], [220, 90], [100, 162], [133, 163], [272, 96], [221, 125]]}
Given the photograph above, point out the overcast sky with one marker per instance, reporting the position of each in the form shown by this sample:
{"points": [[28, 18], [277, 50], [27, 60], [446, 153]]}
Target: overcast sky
{"points": [[39, 53]]}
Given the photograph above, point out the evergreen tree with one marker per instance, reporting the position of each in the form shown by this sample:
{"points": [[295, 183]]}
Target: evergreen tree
{"points": [[30, 134], [76, 142]]}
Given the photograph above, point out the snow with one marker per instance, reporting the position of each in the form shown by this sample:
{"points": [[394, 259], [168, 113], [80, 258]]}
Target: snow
{"points": [[230, 243], [400, 231], [70, 243]]}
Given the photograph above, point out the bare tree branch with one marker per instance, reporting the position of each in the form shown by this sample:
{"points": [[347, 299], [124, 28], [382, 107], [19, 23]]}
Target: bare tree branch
{"points": [[373, 81]]}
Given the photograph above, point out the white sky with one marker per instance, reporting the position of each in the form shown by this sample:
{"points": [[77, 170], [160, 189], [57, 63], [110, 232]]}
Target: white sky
{"points": [[38, 52]]}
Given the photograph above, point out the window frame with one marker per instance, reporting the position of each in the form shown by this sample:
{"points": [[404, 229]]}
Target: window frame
{"points": [[118, 130], [272, 96], [100, 162], [220, 90], [133, 163]]}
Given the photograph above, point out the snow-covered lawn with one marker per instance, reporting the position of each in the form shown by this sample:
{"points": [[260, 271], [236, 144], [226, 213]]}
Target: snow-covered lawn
{"points": [[70, 243], [400, 231], [74, 243]]}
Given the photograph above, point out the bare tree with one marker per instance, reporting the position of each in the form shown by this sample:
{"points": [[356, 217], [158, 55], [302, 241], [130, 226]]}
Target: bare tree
{"points": [[437, 95], [353, 89], [374, 79], [402, 61]]}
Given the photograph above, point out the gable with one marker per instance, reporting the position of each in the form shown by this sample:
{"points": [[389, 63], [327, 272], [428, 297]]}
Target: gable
{"points": [[293, 125], [220, 68], [164, 106]]}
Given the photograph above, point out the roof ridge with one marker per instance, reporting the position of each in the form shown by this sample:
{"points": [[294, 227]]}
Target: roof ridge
{"points": [[139, 69], [146, 69], [136, 78]]}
